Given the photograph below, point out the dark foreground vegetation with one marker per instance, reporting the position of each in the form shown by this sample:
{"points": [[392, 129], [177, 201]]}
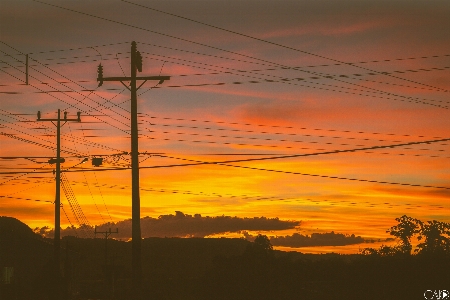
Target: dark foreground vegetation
{"points": [[196, 268]]}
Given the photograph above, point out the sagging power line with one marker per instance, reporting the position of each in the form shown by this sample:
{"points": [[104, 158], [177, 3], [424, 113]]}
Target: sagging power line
{"points": [[248, 56]]}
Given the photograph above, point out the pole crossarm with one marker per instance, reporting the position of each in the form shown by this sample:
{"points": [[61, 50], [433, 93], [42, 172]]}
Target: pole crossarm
{"points": [[137, 78], [105, 233], [62, 120], [59, 119]]}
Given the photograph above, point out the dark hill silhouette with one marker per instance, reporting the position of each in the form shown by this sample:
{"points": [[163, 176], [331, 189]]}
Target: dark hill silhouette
{"points": [[11, 228], [25, 251], [171, 260]]}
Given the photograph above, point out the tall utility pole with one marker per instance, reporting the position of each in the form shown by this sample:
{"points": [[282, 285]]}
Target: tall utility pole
{"points": [[58, 161], [136, 65]]}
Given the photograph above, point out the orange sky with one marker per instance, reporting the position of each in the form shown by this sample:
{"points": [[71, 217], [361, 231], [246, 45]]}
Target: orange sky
{"points": [[220, 106]]}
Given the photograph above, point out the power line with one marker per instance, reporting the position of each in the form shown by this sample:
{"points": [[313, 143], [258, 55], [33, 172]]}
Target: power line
{"points": [[84, 175], [286, 127], [400, 85], [251, 159], [330, 77], [75, 206], [18, 118], [269, 42], [80, 94], [335, 151], [32, 142], [428, 56], [284, 80], [288, 81], [255, 70], [80, 48], [272, 133], [67, 217], [298, 67], [71, 105], [39, 184], [27, 199], [67, 62], [90, 143], [317, 175], [242, 197], [216, 48], [273, 146], [101, 194]]}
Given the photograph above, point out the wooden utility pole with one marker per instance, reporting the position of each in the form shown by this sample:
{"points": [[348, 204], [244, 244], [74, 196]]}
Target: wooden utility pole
{"points": [[106, 234], [136, 65], [58, 161]]}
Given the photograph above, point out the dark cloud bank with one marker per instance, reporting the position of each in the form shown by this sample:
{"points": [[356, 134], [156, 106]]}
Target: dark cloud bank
{"points": [[184, 225]]}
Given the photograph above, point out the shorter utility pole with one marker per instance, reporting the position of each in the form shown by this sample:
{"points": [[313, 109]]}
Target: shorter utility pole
{"points": [[57, 238], [107, 234]]}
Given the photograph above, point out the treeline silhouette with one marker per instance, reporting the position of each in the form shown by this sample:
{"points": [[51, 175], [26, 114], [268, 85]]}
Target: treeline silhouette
{"points": [[316, 239], [434, 237], [199, 268]]}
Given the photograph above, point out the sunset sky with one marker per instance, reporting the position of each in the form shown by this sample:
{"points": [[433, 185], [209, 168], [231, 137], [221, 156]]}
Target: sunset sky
{"points": [[265, 79]]}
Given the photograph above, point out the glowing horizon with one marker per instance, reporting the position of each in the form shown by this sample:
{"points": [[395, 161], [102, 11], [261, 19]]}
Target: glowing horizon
{"points": [[352, 76]]}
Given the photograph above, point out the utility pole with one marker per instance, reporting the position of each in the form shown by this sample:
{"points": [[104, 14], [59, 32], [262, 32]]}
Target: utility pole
{"points": [[58, 161], [136, 65], [107, 234]]}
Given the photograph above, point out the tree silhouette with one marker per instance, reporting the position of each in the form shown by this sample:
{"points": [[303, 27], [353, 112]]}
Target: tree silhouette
{"points": [[435, 236], [384, 251], [260, 250], [435, 241], [404, 230], [263, 242]]}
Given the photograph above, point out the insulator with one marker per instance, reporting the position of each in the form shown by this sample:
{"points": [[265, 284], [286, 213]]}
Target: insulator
{"points": [[100, 74], [139, 61]]}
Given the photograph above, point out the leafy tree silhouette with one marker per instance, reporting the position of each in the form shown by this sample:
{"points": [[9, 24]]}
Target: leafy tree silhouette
{"points": [[263, 242], [384, 251], [435, 241], [260, 250], [404, 230], [435, 236]]}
